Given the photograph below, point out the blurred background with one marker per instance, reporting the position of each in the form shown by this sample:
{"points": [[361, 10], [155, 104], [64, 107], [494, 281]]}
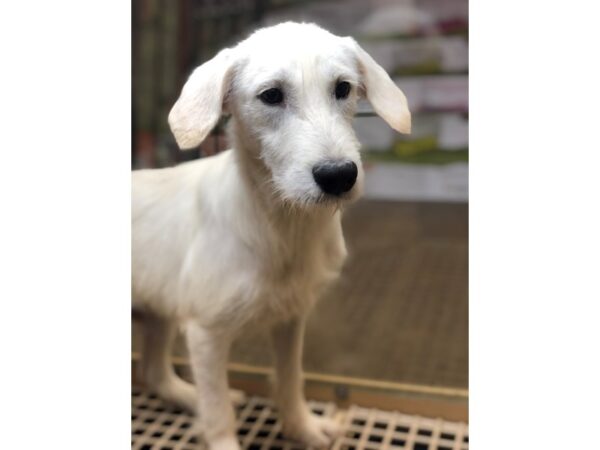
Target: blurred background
{"points": [[398, 318]]}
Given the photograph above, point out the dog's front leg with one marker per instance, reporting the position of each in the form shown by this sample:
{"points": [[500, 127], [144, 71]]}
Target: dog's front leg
{"points": [[209, 351], [298, 421]]}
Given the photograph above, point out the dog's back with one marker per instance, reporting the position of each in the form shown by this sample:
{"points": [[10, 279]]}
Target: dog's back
{"points": [[166, 214]]}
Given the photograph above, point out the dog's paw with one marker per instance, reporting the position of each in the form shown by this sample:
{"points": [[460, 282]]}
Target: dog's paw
{"points": [[238, 398], [224, 443], [178, 393], [312, 430]]}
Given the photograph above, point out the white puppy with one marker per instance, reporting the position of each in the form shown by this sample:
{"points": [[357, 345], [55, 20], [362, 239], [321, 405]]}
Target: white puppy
{"points": [[252, 235]]}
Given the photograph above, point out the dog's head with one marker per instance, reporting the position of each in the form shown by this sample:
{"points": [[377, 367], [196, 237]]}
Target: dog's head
{"points": [[292, 91]]}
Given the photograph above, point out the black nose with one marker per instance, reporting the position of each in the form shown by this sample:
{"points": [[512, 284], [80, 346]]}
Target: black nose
{"points": [[335, 177]]}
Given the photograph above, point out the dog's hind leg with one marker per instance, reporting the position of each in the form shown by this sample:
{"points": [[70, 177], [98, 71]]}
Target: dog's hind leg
{"points": [[157, 369]]}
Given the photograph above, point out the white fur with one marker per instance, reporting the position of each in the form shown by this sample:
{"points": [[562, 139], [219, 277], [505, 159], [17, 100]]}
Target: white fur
{"points": [[247, 238]]}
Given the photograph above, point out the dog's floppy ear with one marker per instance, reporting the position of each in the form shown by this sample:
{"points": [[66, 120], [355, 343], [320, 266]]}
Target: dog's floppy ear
{"points": [[386, 98], [198, 108]]}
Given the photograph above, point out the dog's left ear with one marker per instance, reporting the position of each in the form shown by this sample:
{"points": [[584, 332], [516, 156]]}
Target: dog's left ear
{"points": [[199, 106], [387, 99]]}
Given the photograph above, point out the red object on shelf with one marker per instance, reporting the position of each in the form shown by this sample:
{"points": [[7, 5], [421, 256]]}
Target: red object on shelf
{"points": [[145, 143]]}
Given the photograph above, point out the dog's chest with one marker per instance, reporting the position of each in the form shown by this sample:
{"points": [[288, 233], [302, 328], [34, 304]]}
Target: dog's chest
{"points": [[297, 271], [266, 276]]}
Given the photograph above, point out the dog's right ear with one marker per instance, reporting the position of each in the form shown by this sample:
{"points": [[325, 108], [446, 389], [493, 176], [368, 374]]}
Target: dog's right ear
{"points": [[198, 108]]}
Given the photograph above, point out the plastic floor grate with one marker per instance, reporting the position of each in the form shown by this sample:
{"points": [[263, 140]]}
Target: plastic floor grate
{"points": [[371, 429], [157, 426]]}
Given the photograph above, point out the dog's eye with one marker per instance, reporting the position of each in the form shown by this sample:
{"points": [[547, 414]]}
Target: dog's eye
{"points": [[271, 96], [342, 89]]}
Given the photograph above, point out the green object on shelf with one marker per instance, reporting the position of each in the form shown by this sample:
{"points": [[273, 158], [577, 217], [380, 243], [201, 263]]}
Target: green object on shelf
{"points": [[423, 68], [368, 37], [435, 157], [415, 146]]}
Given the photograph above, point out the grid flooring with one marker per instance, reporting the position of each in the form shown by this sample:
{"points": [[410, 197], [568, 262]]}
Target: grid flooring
{"points": [[157, 426]]}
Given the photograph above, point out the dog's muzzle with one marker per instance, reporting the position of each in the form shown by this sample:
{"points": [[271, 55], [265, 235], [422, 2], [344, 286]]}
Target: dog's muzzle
{"points": [[335, 177]]}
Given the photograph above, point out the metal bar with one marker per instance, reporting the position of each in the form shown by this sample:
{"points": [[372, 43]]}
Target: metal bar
{"points": [[340, 379]]}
